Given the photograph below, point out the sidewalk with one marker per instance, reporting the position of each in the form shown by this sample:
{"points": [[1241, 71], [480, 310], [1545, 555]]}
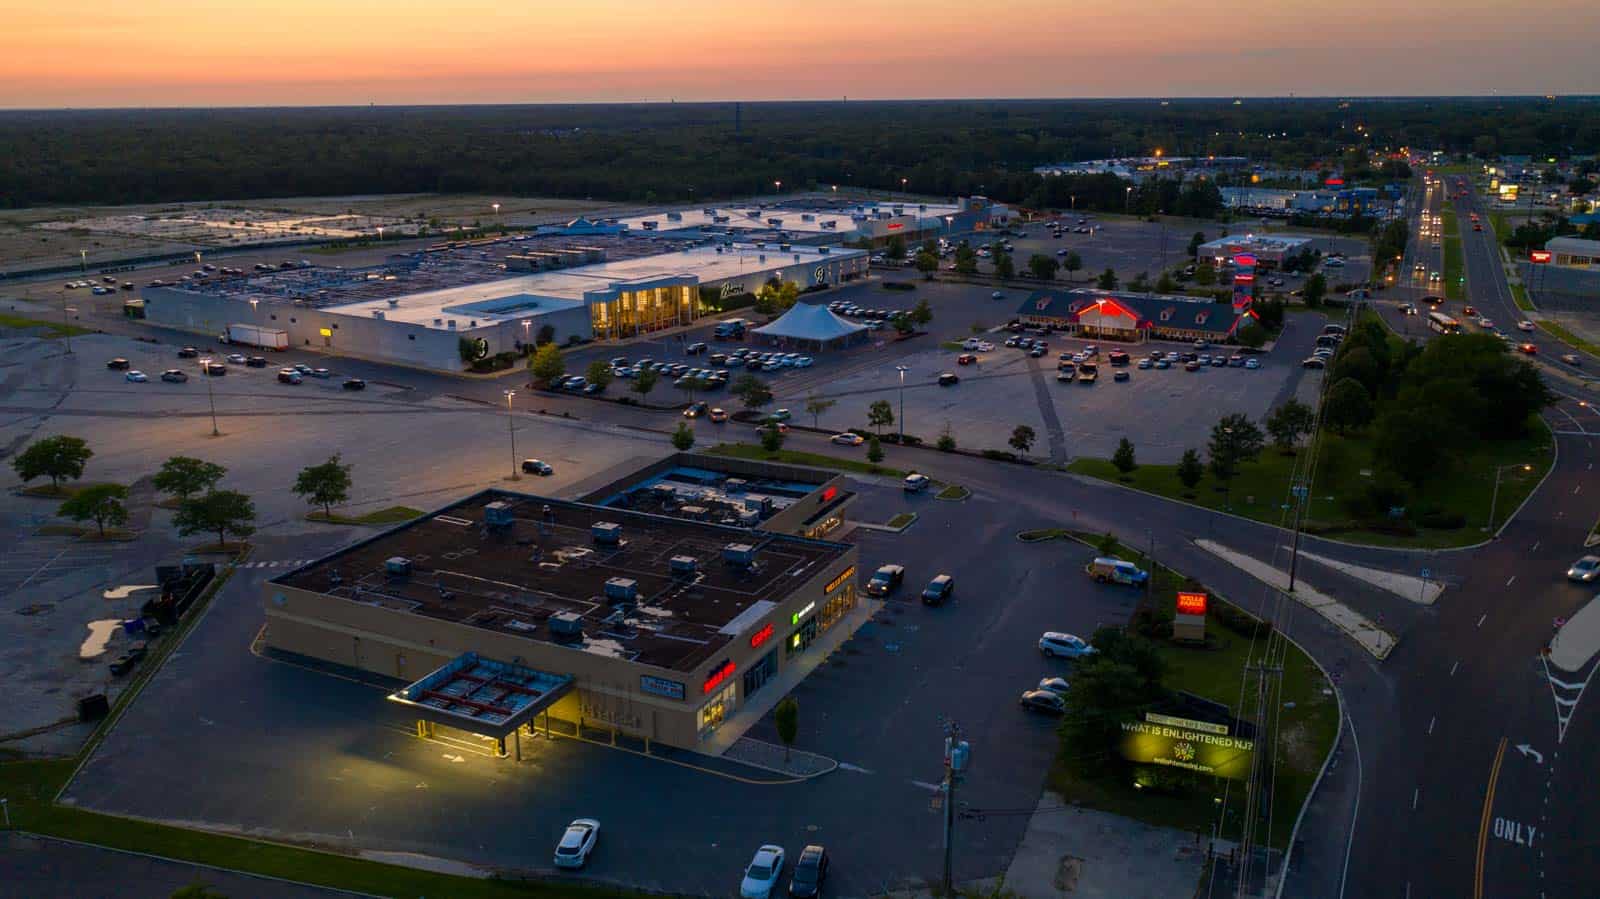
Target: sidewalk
{"points": [[1082, 852], [1406, 586], [1368, 635]]}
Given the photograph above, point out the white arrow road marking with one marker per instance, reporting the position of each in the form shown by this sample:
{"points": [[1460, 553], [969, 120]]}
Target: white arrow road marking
{"points": [[934, 788], [846, 766], [126, 590], [1525, 749]]}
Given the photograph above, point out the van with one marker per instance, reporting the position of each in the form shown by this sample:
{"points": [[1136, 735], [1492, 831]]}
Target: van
{"points": [[1115, 571]]}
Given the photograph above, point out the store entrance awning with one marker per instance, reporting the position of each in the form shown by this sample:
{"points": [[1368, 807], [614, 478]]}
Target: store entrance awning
{"points": [[482, 696]]}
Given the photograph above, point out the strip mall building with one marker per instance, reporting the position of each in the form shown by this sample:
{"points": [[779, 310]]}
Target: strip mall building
{"points": [[639, 611], [1134, 317]]}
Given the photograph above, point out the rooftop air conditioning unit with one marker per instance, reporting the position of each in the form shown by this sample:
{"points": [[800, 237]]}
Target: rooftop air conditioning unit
{"points": [[684, 566], [438, 323], [377, 313], [823, 251], [740, 555], [808, 217], [566, 627], [606, 532], [393, 304], [622, 589], [398, 566], [784, 247], [498, 514], [762, 258], [451, 324]]}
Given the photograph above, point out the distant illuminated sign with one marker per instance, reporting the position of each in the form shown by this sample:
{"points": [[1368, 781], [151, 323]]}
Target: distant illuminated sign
{"points": [[1191, 750], [1539, 256], [1334, 182], [1244, 260], [896, 226], [1173, 721], [761, 636], [660, 686], [718, 675], [810, 607], [1191, 603], [833, 585], [325, 332], [829, 493]]}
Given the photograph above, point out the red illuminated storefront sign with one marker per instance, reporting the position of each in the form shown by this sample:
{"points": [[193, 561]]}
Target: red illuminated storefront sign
{"points": [[896, 226], [761, 636], [1539, 256], [722, 673], [1191, 603], [1334, 182], [829, 493]]}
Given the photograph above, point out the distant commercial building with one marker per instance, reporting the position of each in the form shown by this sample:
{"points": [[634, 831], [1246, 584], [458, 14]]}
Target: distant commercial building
{"points": [[400, 312], [1325, 201], [1139, 168], [1269, 250], [1573, 252], [1133, 317], [504, 612], [799, 222]]}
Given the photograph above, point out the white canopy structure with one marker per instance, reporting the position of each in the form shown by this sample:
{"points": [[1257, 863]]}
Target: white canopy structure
{"points": [[813, 327]]}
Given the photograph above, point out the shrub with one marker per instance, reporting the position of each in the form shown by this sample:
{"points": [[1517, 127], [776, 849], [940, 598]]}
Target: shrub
{"points": [[1153, 623], [1239, 621], [1440, 519], [999, 455]]}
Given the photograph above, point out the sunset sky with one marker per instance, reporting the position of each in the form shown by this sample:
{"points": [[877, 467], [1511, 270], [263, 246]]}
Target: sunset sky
{"points": [[56, 53]]}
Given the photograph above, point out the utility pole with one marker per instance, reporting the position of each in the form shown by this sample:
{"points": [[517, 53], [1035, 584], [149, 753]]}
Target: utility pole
{"points": [[1302, 494], [1260, 767], [511, 429], [957, 755], [902, 369]]}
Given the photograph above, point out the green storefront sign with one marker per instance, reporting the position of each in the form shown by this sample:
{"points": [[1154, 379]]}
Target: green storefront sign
{"points": [[1180, 747]]}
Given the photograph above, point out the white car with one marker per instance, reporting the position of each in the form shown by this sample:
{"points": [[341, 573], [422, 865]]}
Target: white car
{"points": [[136, 376], [1066, 646], [848, 439], [1056, 685], [236, 358], [576, 843], [763, 873], [985, 346], [971, 343], [1485, 322], [1525, 325], [803, 362]]}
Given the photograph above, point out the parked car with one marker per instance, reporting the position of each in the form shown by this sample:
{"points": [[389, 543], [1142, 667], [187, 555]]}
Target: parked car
{"points": [[1107, 570], [939, 590], [321, 373], [916, 483], [188, 352], [289, 376], [1056, 685], [1121, 376], [810, 871], [885, 580], [577, 841], [174, 376], [354, 384], [538, 467], [1585, 570], [1054, 644], [1252, 364], [763, 872], [1313, 362], [848, 439], [1044, 701], [216, 369]]}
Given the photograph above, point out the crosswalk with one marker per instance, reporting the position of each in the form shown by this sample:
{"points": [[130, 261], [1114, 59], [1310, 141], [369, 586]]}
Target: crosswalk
{"points": [[276, 563]]}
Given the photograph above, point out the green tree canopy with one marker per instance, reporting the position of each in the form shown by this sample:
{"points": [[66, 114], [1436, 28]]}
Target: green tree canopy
{"points": [[880, 415], [184, 476], [599, 373], [786, 717], [751, 390], [59, 458], [1107, 279], [546, 364], [683, 437], [101, 503], [222, 512], [1348, 406], [1043, 267], [1022, 437], [1124, 458], [1289, 422], [1190, 471], [325, 485]]}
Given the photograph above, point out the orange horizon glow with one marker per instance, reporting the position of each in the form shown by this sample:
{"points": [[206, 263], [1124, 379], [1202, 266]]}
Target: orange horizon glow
{"points": [[74, 53]]}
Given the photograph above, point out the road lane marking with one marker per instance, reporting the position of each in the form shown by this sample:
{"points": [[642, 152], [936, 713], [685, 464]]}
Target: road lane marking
{"points": [[1431, 722], [1485, 616], [1454, 667], [1415, 795], [1535, 546], [1510, 579], [1483, 826]]}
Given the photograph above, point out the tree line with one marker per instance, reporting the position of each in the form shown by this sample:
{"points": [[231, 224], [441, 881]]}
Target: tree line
{"points": [[695, 151]]}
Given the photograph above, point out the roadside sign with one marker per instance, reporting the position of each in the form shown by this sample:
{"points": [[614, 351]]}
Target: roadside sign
{"points": [[1539, 257], [1426, 574]]}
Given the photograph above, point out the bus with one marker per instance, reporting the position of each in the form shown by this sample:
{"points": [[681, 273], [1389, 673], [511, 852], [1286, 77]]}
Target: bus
{"points": [[1444, 324]]}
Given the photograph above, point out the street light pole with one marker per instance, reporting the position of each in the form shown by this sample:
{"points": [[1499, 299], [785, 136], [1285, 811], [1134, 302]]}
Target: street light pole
{"points": [[512, 431], [902, 419], [1494, 497], [205, 369]]}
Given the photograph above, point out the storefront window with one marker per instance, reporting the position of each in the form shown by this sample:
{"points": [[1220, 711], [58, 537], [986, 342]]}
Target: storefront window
{"points": [[717, 710], [836, 607], [758, 674], [802, 636]]}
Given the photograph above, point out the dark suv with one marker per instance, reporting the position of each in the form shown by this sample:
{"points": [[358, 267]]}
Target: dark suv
{"points": [[885, 579], [810, 870], [938, 590]]}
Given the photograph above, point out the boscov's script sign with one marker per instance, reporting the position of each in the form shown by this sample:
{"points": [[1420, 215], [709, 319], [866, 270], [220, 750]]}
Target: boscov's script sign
{"points": [[1180, 747]]}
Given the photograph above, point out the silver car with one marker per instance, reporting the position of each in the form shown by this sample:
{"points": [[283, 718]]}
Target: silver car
{"points": [[1585, 570]]}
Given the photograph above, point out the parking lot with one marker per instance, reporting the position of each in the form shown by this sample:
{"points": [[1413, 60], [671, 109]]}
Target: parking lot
{"points": [[227, 739]]}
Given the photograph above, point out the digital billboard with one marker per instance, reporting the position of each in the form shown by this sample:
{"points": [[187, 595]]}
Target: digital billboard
{"points": [[1192, 750]]}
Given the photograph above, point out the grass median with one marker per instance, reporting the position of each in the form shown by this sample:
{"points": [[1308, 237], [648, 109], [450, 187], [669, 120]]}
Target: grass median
{"points": [[1566, 336], [377, 517], [797, 457], [1346, 466], [1307, 725], [50, 328], [1455, 287]]}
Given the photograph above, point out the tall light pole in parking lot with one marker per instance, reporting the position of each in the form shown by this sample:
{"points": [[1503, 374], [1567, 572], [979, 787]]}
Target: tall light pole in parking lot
{"points": [[902, 369], [205, 370], [511, 429]]}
